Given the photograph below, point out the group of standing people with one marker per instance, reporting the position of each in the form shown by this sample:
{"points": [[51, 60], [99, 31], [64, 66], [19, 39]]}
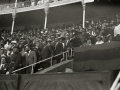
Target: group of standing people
{"points": [[28, 46]]}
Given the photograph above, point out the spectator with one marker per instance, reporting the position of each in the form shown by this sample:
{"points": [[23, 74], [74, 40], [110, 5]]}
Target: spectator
{"points": [[59, 48], [109, 38], [3, 65], [89, 42], [15, 60], [76, 42], [46, 43], [30, 58], [47, 52], [99, 40]]}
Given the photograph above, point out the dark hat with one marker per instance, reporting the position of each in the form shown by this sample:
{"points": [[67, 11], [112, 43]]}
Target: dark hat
{"points": [[76, 33], [16, 47], [30, 45], [99, 37], [63, 38]]}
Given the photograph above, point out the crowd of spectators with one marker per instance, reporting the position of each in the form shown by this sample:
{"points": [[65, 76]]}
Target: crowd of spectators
{"points": [[29, 46]]}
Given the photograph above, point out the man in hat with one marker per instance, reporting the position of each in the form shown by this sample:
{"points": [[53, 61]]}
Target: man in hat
{"points": [[76, 42], [53, 42], [47, 52], [31, 58], [83, 36], [15, 60], [3, 65], [59, 48]]}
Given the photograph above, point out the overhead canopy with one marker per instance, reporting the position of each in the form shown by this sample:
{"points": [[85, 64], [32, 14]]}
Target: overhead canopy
{"points": [[59, 15]]}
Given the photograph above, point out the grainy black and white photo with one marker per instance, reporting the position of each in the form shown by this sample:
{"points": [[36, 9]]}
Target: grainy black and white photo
{"points": [[59, 44]]}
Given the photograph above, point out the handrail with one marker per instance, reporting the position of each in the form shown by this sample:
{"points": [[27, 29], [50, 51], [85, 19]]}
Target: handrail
{"points": [[116, 85], [38, 62]]}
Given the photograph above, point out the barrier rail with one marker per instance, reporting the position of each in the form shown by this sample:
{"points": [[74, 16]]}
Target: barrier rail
{"points": [[116, 84], [50, 58]]}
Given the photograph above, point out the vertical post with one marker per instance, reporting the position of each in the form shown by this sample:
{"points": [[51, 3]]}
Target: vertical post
{"points": [[71, 52], [51, 62], [32, 70], [13, 16], [12, 26], [46, 9], [83, 4], [66, 54], [45, 21], [15, 4], [63, 56]]}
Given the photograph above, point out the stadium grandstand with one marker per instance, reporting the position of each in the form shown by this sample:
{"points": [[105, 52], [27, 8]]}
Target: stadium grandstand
{"points": [[59, 44]]}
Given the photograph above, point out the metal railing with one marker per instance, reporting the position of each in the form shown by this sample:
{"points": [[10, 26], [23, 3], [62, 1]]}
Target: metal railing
{"points": [[116, 84], [65, 57]]}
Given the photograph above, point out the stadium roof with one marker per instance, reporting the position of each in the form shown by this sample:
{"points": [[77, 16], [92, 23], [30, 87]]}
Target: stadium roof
{"points": [[61, 14]]}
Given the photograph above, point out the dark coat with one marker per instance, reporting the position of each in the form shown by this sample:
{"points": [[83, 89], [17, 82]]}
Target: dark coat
{"points": [[4, 69], [59, 48], [75, 42], [68, 45], [46, 52], [53, 45], [15, 61], [31, 58]]}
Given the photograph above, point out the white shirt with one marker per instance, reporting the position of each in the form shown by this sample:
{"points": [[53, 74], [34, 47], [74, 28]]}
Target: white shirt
{"points": [[32, 3], [99, 42], [2, 65], [38, 2], [63, 45], [29, 52], [117, 30]]}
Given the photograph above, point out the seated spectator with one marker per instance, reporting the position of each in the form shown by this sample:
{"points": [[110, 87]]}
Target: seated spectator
{"points": [[32, 3], [39, 2], [89, 42], [84, 43], [99, 40], [109, 38]]}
